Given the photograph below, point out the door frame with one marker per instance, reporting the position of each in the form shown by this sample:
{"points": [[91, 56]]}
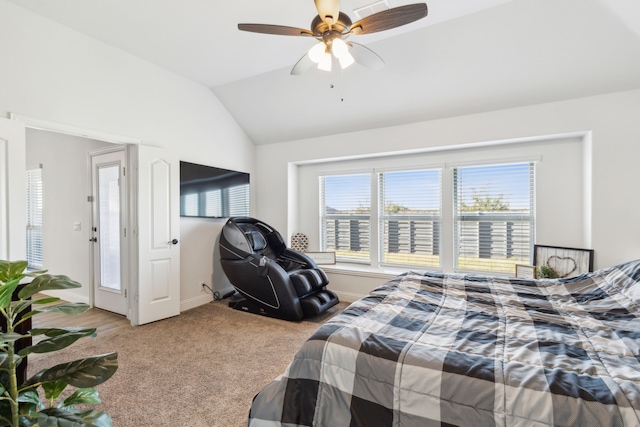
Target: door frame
{"points": [[13, 214], [126, 249], [132, 197]]}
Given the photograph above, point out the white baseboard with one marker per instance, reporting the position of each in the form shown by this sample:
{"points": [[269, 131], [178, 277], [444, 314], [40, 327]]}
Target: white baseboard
{"points": [[195, 302], [67, 295], [188, 304], [348, 296]]}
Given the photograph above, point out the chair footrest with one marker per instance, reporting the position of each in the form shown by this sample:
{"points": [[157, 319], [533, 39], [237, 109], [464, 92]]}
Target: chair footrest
{"points": [[318, 302]]}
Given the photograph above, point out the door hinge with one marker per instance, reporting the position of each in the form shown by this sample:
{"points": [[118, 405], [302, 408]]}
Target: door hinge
{"points": [[125, 293], [90, 199], [124, 171]]}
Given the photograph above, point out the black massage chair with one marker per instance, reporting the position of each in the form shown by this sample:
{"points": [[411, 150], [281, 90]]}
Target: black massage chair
{"points": [[269, 278]]}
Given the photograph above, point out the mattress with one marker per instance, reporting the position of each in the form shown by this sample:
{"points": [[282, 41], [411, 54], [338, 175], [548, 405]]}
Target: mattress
{"points": [[433, 349]]}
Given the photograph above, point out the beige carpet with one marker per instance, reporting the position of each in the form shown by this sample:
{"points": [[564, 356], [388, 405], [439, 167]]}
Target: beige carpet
{"points": [[199, 369]]}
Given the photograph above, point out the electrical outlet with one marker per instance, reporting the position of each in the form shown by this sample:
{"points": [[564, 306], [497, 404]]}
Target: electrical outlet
{"points": [[204, 286]]}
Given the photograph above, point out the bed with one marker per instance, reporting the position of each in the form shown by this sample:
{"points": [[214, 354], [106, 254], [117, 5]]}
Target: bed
{"points": [[432, 349]]}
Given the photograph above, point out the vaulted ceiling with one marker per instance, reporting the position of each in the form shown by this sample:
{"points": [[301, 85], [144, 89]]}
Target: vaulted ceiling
{"points": [[465, 57]]}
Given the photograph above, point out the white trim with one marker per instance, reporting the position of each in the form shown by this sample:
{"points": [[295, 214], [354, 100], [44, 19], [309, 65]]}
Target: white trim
{"points": [[366, 271], [468, 145], [53, 126], [494, 162], [194, 302], [68, 295], [4, 194], [348, 297]]}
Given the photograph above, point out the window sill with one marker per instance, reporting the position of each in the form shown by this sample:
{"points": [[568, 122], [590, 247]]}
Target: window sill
{"points": [[365, 270], [347, 269]]}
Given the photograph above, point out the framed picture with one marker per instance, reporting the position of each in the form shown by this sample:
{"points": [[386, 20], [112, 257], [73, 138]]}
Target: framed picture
{"points": [[525, 271], [322, 258], [564, 262]]}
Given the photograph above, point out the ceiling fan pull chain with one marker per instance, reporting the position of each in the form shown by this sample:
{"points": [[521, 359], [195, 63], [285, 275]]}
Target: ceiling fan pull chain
{"points": [[341, 85]]}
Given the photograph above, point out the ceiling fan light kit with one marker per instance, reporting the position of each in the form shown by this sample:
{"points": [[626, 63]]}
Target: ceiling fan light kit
{"points": [[332, 27]]}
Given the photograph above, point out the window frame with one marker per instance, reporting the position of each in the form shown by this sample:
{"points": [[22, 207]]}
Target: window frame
{"points": [[561, 216]]}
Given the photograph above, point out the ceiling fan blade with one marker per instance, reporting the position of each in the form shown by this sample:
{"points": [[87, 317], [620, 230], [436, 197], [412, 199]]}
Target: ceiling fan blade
{"points": [[303, 65], [328, 10], [274, 29], [365, 56], [388, 19]]}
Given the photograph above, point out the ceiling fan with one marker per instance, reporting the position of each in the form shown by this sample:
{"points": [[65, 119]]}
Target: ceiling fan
{"points": [[332, 27]]}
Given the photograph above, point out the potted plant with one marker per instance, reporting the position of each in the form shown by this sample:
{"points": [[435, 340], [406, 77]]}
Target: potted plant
{"points": [[546, 272], [39, 401]]}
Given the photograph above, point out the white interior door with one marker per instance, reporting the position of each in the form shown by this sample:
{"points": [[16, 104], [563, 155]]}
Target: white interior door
{"points": [[13, 201], [158, 234], [109, 231]]}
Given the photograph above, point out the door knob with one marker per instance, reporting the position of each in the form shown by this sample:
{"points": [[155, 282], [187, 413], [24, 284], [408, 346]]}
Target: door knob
{"points": [[174, 242]]}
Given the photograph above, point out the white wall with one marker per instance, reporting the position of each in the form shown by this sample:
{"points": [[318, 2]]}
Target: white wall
{"points": [[54, 73], [559, 185], [611, 225], [51, 72]]}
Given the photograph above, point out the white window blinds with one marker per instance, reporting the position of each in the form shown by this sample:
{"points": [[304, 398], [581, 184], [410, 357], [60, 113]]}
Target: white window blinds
{"points": [[493, 216], [34, 217], [345, 216], [410, 217]]}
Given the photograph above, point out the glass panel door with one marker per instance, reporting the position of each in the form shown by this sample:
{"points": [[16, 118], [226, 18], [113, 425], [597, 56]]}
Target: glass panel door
{"points": [[109, 225]]}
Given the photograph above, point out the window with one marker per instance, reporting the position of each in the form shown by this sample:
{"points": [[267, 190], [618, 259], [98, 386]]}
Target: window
{"points": [[345, 217], [493, 216], [34, 217], [409, 209], [489, 226]]}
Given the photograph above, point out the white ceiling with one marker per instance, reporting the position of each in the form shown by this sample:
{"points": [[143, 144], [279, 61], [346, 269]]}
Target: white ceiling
{"points": [[466, 56]]}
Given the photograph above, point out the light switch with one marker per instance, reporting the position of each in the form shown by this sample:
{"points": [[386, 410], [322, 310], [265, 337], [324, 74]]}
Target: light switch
{"points": [[77, 226]]}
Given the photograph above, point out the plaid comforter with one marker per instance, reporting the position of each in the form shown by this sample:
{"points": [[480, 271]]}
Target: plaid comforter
{"points": [[444, 349]]}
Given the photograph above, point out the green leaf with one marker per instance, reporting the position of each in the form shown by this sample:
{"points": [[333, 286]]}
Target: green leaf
{"points": [[33, 382], [4, 363], [53, 389], [6, 291], [20, 306], [47, 282], [98, 418], [68, 308], [27, 315], [45, 300], [54, 332], [12, 270], [55, 417], [30, 397], [83, 396], [83, 373], [10, 337], [58, 340]]}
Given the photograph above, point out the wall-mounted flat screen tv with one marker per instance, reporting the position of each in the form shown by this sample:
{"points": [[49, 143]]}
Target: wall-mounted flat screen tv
{"points": [[211, 192]]}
